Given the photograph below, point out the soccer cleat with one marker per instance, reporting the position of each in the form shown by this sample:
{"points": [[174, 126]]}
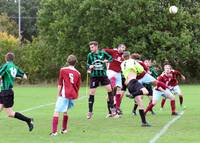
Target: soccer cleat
{"points": [[115, 116], [64, 131], [89, 115], [134, 113], [174, 114], [146, 125], [53, 134], [108, 115], [119, 112], [30, 125]]}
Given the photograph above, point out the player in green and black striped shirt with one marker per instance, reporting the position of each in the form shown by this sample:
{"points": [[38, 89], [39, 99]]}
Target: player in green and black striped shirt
{"points": [[8, 72], [96, 64]]}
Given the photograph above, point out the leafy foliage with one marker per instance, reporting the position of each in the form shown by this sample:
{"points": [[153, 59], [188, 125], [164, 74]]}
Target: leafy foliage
{"points": [[145, 26]]}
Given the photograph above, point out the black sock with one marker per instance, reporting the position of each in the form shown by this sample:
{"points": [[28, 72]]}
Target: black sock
{"points": [[22, 117], [91, 102], [135, 107], [142, 115], [111, 100], [108, 106]]}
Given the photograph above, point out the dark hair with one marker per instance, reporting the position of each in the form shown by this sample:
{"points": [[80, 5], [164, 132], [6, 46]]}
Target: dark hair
{"points": [[9, 56], [71, 60], [93, 43]]}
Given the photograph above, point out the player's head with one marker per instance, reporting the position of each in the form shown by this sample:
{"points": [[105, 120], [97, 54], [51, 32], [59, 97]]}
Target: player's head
{"points": [[167, 68], [93, 46], [71, 60], [9, 56], [121, 48], [135, 56], [126, 55]]}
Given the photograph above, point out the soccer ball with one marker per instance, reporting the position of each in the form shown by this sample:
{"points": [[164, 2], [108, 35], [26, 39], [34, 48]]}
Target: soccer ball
{"points": [[173, 9]]}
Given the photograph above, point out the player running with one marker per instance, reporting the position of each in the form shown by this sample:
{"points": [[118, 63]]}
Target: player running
{"points": [[162, 90], [68, 87], [8, 73], [169, 77]]}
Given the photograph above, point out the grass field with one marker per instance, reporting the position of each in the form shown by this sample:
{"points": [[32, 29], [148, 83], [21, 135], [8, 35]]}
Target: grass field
{"points": [[38, 102]]}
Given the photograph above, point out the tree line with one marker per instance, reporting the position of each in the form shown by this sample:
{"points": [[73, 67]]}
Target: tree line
{"points": [[144, 26]]}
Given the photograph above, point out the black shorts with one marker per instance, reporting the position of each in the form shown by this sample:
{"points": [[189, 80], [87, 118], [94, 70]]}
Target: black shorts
{"points": [[149, 88], [7, 98], [94, 81], [134, 87]]}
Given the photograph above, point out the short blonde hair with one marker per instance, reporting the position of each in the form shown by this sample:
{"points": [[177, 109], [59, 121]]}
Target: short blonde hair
{"points": [[93, 43], [9, 56], [71, 60]]}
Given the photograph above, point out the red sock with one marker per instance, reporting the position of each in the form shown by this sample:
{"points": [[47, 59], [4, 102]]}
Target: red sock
{"points": [[118, 101], [150, 106], [173, 106], [54, 124], [163, 102], [64, 122], [181, 100]]}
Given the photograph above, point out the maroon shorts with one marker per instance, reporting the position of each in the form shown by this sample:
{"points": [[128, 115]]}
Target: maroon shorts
{"points": [[7, 98], [94, 81]]}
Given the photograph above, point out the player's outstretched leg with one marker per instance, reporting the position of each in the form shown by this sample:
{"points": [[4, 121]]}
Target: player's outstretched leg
{"points": [[141, 111]]}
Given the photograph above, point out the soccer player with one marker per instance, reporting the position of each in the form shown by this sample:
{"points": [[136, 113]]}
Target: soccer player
{"points": [[169, 76], [145, 78], [96, 64], [68, 86], [114, 74], [162, 90], [8, 72], [131, 68]]}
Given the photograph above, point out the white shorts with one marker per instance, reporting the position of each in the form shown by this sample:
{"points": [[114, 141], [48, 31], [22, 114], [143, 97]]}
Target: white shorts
{"points": [[147, 78], [176, 90], [118, 77], [157, 94], [63, 104]]}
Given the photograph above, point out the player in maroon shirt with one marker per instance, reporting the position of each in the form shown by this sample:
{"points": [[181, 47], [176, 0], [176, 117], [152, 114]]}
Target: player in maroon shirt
{"points": [[68, 86], [114, 74], [162, 90], [169, 77]]}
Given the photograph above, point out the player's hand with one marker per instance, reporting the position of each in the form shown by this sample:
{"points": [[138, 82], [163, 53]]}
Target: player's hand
{"points": [[183, 77], [25, 77], [105, 61], [91, 67]]}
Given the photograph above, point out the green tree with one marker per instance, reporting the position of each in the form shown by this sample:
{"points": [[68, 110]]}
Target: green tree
{"points": [[145, 26]]}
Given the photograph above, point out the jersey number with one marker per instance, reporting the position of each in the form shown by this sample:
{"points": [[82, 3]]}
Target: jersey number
{"points": [[71, 77], [13, 72]]}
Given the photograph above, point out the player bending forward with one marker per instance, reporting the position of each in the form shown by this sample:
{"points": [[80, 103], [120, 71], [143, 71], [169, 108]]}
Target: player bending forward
{"points": [[162, 90], [68, 87], [136, 89]]}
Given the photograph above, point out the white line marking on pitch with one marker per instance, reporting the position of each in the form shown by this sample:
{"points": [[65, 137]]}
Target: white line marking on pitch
{"points": [[164, 129], [44, 105]]}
